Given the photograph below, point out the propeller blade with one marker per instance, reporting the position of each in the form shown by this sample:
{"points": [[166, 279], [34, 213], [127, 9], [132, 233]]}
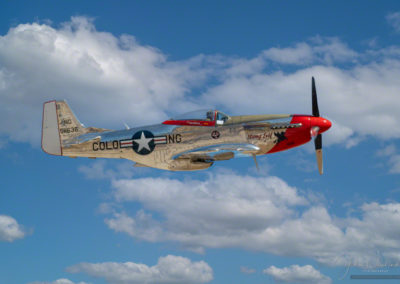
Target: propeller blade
{"points": [[315, 110], [318, 151], [318, 142], [314, 131], [319, 161]]}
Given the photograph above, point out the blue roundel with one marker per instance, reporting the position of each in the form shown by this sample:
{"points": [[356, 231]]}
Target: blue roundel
{"points": [[143, 142]]}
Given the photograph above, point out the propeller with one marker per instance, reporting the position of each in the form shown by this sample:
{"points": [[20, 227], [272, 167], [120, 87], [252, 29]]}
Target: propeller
{"points": [[315, 129], [315, 109]]}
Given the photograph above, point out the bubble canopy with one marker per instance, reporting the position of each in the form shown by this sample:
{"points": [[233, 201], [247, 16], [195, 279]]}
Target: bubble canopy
{"points": [[205, 117], [202, 114]]}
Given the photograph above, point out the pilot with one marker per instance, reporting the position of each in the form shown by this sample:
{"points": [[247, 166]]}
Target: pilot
{"points": [[210, 115]]}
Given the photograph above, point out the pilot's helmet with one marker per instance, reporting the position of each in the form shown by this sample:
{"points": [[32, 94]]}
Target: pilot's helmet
{"points": [[210, 115]]}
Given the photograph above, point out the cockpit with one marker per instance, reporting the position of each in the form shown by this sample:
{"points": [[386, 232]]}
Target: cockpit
{"points": [[221, 118], [200, 118]]}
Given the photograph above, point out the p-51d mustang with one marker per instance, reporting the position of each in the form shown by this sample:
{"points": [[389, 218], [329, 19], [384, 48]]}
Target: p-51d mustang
{"points": [[192, 141]]}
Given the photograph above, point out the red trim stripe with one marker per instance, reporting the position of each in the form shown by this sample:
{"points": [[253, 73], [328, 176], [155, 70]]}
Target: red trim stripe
{"points": [[58, 127]]}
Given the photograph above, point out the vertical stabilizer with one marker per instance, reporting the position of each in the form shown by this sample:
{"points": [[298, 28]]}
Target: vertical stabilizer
{"points": [[68, 125], [59, 125]]}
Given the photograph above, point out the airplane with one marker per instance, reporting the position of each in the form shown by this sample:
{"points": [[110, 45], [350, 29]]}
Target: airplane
{"points": [[192, 141]]}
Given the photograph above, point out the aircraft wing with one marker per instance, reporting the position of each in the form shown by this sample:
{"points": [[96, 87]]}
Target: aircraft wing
{"points": [[254, 118], [264, 125], [218, 152]]}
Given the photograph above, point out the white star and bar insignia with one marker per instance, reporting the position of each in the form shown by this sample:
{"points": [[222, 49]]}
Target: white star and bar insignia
{"points": [[143, 142]]}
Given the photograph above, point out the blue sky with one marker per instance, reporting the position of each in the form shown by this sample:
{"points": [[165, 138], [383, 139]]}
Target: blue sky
{"points": [[73, 221]]}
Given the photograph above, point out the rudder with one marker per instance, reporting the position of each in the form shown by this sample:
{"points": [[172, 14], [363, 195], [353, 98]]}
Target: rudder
{"points": [[59, 125]]}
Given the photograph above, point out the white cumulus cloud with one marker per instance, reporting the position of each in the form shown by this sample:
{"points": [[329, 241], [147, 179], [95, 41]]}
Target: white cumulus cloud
{"points": [[363, 100], [297, 274], [254, 213], [247, 270], [110, 80], [393, 19], [169, 269], [106, 79], [204, 213], [99, 170], [319, 50], [59, 281], [393, 162], [10, 230]]}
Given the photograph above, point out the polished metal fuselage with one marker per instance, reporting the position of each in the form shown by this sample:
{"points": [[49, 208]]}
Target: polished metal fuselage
{"points": [[174, 140]]}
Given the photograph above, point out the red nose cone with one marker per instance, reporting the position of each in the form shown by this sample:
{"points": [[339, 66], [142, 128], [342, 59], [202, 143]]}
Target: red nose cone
{"points": [[323, 123]]}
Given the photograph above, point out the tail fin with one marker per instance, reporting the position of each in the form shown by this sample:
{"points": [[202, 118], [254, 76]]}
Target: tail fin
{"points": [[59, 125]]}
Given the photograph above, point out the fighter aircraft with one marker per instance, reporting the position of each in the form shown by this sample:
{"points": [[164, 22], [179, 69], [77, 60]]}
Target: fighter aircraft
{"points": [[192, 141]]}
